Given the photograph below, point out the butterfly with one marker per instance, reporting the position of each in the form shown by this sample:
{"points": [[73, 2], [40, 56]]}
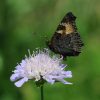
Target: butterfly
{"points": [[66, 41]]}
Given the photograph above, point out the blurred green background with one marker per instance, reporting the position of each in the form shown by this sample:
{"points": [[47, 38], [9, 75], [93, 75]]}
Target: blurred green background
{"points": [[24, 24]]}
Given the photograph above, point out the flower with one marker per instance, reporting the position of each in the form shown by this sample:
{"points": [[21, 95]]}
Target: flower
{"points": [[40, 66]]}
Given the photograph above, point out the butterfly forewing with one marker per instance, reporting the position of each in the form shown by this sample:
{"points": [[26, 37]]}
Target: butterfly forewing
{"points": [[66, 40]]}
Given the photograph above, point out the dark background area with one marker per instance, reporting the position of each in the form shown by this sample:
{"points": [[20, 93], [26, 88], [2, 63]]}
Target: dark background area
{"points": [[24, 24]]}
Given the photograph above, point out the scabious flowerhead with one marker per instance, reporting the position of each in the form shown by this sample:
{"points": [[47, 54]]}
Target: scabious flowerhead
{"points": [[40, 67]]}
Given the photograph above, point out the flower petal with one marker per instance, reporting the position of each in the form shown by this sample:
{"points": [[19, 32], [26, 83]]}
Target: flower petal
{"points": [[21, 82], [63, 66], [68, 74], [14, 77], [63, 81], [49, 79]]}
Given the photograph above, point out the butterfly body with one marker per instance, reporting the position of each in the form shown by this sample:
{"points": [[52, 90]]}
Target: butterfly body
{"points": [[66, 40]]}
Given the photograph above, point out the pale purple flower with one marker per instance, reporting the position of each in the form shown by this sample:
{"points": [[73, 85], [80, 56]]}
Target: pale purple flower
{"points": [[40, 64]]}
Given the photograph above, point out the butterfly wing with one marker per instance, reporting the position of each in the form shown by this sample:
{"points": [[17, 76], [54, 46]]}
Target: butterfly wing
{"points": [[66, 40]]}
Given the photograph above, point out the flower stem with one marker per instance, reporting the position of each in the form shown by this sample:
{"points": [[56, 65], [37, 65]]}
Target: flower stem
{"points": [[42, 95]]}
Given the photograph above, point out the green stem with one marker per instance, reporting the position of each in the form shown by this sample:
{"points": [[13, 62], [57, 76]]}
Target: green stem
{"points": [[42, 95]]}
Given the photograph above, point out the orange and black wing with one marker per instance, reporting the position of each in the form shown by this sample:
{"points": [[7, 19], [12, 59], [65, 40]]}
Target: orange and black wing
{"points": [[66, 41]]}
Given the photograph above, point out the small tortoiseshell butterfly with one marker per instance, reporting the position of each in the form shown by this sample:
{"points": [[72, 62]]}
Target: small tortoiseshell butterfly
{"points": [[66, 40]]}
